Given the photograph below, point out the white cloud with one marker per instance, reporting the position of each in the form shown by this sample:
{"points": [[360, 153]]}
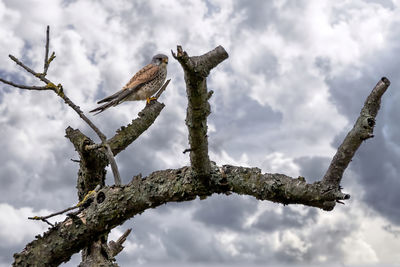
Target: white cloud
{"points": [[280, 163], [15, 228]]}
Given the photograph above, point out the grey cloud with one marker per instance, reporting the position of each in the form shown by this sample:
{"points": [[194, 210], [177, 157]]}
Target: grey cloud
{"points": [[376, 161], [385, 3], [23, 180], [348, 94], [240, 122], [225, 212], [322, 242], [312, 168], [265, 63], [258, 14], [378, 168], [189, 245], [328, 241], [389, 229], [324, 65], [271, 220]]}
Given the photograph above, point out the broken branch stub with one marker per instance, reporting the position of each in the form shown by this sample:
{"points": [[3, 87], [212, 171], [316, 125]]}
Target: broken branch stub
{"points": [[362, 130], [196, 70]]}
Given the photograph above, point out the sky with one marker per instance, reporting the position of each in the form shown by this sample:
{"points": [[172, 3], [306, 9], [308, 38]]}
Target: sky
{"points": [[296, 78]]}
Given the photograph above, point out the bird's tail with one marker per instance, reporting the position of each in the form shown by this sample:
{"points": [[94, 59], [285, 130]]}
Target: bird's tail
{"points": [[103, 107], [116, 98]]}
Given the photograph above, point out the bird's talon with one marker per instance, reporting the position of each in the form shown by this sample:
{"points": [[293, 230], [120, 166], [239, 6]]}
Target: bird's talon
{"points": [[148, 100]]}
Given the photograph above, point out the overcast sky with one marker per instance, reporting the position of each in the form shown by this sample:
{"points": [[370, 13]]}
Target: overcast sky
{"points": [[297, 76]]}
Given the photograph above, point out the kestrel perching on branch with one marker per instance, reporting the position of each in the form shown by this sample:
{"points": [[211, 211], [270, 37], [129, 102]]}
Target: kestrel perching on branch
{"points": [[145, 83]]}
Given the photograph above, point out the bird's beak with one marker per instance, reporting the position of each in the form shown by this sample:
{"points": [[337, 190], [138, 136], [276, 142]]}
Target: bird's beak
{"points": [[165, 60]]}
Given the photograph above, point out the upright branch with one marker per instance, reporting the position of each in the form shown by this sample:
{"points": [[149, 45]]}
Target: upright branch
{"points": [[362, 130], [196, 70], [58, 89]]}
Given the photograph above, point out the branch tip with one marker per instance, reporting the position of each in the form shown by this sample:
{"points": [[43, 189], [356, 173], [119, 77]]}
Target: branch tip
{"points": [[385, 80]]}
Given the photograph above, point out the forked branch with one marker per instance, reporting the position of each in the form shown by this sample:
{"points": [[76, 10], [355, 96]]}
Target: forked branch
{"points": [[58, 89]]}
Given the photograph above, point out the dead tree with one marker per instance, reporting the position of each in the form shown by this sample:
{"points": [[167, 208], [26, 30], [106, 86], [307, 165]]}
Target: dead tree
{"points": [[101, 208]]}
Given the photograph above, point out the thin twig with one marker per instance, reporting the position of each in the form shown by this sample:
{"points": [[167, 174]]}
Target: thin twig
{"points": [[88, 196], [186, 150], [43, 79], [162, 89], [116, 246], [59, 91], [46, 55], [44, 218], [83, 117], [25, 86], [114, 166]]}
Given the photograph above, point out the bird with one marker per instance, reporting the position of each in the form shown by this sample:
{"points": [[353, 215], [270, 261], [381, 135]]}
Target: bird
{"points": [[145, 83]]}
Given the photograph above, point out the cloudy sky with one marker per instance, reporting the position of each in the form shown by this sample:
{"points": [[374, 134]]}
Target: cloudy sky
{"points": [[295, 81]]}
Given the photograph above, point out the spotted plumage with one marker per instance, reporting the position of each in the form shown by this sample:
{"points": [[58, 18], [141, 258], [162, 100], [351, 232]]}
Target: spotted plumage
{"points": [[145, 83]]}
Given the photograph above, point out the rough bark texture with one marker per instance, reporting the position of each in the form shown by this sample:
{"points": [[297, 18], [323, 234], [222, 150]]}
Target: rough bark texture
{"points": [[362, 130], [111, 206], [196, 70], [127, 134]]}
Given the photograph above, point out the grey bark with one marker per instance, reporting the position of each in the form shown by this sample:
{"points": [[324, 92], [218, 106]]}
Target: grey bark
{"points": [[196, 70], [362, 130]]}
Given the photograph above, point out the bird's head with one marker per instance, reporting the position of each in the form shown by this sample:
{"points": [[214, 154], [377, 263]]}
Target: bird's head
{"points": [[159, 59]]}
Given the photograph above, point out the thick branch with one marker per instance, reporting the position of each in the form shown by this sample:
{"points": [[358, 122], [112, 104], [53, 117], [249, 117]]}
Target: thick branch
{"points": [[127, 134], [362, 130], [196, 70], [114, 205], [92, 163]]}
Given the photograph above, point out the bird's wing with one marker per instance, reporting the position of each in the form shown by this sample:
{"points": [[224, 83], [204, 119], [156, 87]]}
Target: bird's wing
{"points": [[109, 98], [146, 74], [115, 99]]}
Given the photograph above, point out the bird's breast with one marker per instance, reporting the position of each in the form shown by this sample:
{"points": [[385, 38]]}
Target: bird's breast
{"points": [[150, 87]]}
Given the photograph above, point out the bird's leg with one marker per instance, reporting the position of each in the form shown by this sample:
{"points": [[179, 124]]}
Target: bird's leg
{"points": [[150, 99]]}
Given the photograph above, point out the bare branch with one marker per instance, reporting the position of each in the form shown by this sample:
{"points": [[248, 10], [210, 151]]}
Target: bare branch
{"points": [[44, 218], [114, 166], [127, 134], [25, 86], [117, 204], [87, 199], [116, 246], [47, 60], [362, 130], [196, 71], [38, 75], [46, 54], [58, 89], [162, 89]]}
